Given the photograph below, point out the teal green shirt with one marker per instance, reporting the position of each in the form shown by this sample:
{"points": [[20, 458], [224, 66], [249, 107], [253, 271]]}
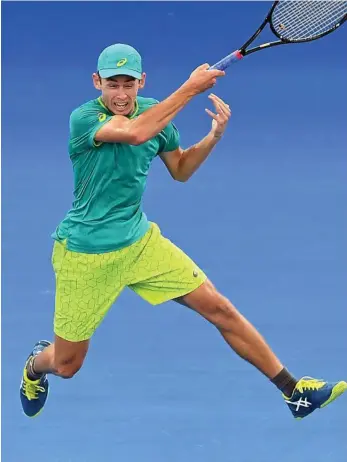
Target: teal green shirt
{"points": [[109, 182]]}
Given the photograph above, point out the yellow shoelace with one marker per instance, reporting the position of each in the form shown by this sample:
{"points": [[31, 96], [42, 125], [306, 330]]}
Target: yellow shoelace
{"points": [[32, 389], [308, 383]]}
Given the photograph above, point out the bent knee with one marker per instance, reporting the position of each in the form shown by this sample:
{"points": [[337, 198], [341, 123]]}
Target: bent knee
{"points": [[69, 357], [67, 368]]}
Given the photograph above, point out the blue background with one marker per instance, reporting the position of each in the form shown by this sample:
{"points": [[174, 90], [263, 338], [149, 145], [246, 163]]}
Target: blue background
{"points": [[264, 216]]}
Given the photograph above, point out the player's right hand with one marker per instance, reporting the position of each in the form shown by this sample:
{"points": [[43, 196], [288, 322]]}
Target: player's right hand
{"points": [[203, 78]]}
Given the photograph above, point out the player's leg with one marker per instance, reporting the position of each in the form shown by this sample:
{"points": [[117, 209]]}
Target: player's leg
{"points": [[62, 358], [163, 272], [86, 287], [302, 396], [239, 333]]}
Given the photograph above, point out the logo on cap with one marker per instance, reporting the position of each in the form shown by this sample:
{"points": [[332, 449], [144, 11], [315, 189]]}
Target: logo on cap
{"points": [[121, 62]]}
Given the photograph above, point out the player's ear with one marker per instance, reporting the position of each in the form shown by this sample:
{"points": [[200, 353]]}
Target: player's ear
{"points": [[142, 81], [97, 81]]}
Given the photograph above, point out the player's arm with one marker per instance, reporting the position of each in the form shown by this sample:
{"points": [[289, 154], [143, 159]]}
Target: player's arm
{"points": [[182, 163], [137, 131]]}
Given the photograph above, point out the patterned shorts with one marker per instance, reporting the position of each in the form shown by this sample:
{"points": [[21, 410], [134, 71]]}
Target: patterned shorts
{"points": [[88, 284]]}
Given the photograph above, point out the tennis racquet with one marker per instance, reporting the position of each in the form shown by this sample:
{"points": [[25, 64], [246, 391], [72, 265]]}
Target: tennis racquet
{"points": [[293, 22]]}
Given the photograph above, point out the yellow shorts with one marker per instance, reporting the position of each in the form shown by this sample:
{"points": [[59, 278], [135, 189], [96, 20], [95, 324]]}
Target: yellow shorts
{"points": [[88, 284]]}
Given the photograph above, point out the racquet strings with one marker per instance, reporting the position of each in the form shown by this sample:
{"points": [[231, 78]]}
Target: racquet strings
{"points": [[303, 20]]}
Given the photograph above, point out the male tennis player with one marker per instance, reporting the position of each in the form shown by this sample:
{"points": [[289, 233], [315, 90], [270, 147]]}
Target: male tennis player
{"points": [[106, 243]]}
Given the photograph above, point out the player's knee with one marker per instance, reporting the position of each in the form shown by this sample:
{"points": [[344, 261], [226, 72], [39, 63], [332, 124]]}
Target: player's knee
{"points": [[222, 312], [67, 368], [214, 307]]}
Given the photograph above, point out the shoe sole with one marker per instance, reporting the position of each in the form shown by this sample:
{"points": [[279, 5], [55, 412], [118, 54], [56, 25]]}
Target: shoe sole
{"points": [[33, 416], [338, 389]]}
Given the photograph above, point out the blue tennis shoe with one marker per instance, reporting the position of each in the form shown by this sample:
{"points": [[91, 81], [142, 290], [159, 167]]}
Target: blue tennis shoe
{"points": [[311, 394], [33, 393]]}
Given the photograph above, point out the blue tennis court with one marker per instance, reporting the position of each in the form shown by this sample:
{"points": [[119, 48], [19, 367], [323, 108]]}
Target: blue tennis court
{"points": [[265, 217]]}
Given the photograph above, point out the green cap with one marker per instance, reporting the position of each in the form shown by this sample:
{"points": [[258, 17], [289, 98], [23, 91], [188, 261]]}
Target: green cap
{"points": [[120, 59]]}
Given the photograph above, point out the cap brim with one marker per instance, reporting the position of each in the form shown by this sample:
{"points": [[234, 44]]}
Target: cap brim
{"points": [[107, 73]]}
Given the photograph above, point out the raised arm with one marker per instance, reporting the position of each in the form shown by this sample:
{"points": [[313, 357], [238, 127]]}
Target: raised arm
{"points": [[120, 129]]}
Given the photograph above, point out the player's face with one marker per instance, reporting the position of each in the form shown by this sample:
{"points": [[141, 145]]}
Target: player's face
{"points": [[119, 93]]}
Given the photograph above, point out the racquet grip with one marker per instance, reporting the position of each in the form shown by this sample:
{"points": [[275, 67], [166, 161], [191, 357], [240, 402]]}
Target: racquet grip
{"points": [[225, 62]]}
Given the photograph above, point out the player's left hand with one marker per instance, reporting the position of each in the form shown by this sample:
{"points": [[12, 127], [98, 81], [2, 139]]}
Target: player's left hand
{"points": [[222, 116]]}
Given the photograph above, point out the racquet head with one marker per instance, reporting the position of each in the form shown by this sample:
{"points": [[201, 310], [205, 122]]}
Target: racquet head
{"points": [[301, 21]]}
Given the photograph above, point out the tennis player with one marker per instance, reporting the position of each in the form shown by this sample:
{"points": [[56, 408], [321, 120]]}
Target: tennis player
{"points": [[106, 243]]}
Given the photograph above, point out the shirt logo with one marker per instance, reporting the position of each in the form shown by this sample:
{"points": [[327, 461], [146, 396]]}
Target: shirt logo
{"points": [[121, 62], [101, 116]]}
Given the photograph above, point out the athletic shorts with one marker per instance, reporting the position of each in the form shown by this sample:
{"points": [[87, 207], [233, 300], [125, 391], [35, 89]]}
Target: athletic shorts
{"points": [[88, 284]]}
